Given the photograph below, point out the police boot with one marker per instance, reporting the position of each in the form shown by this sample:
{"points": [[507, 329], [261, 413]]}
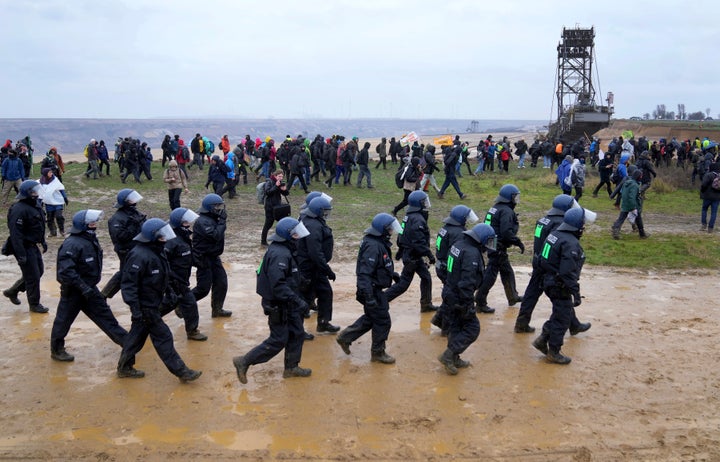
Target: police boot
{"points": [[447, 359], [540, 343], [188, 375], [582, 327], [326, 327], [196, 335], [296, 371], [511, 293], [437, 320], [12, 292], [484, 309], [130, 373], [460, 363], [61, 355], [426, 307], [218, 312], [39, 308], [345, 345], [241, 367], [556, 357], [522, 325], [381, 357]]}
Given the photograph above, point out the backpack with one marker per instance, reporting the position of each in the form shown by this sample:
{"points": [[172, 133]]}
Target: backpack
{"points": [[715, 182], [209, 147], [260, 191], [400, 176], [85, 151], [185, 153]]}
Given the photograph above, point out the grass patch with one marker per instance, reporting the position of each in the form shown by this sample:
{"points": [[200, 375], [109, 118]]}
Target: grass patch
{"points": [[671, 213]]}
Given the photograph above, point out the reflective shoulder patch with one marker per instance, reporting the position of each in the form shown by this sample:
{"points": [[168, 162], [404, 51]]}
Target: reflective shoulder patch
{"points": [[552, 238]]}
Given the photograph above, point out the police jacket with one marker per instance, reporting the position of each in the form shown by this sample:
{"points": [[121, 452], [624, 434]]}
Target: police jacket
{"points": [[276, 276], [374, 268], [123, 226], [26, 222], [465, 271], [144, 277], [446, 237], [315, 251], [178, 252], [414, 242], [562, 259], [79, 262], [208, 236], [543, 227], [504, 221]]}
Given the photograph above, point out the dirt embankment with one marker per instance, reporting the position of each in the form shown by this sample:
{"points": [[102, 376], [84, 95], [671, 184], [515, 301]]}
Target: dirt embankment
{"points": [[654, 130]]}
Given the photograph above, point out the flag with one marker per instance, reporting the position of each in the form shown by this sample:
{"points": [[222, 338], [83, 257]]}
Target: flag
{"points": [[444, 140]]}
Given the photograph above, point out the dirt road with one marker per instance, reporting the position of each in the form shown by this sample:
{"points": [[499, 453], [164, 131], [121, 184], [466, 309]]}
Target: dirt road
{"points": [[643, 384]]}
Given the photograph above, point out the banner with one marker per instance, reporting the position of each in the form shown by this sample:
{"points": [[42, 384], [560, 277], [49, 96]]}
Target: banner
{"points": [[409, 138], [444, 140]]}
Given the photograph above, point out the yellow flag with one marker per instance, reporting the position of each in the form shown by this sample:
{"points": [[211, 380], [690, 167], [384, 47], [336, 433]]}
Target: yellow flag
{"points": [[444, 140]]}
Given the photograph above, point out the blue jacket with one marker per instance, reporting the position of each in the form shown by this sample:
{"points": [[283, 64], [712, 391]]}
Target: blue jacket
{"points": [[12, 169], [563, 171]]}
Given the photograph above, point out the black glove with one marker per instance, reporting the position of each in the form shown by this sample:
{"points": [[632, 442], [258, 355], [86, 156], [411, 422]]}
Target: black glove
{"points": [[396, 276], [301, 304], [66, 201], [370, 302], [44, 246], [431, 259], [206, 185], [332, 276], [21, 260], [577, 299], [521, 246], [223, 214]]}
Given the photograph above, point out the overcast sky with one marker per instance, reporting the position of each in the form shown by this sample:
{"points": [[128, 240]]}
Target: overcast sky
{"points": [[466, 59]]}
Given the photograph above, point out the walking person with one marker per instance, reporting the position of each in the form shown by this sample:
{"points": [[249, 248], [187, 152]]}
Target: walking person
{"points": [[605, 168], [374, 271], [710, 195], [362, 161], [630, 206], [26, 223], [275, 190], [502, 217], [465, 271], [208, 244], [381, 151], [79, 268], [55, 199], [561, 261], [450, 160], [13, 174], [144, 283], [176, 181], [409, 177], [429, 170], [103, 158], [578, 176], [281, 303]]}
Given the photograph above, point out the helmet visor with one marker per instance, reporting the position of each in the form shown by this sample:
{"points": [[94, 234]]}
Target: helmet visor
{"points": [[426, 203], [491, 243], [165, 233], [93, 216], [516, 198], [395, 226], [590, 217], [472, 217], [189, 217], [299, 231], [133, 198], [35, 191], [326, 196], [574, 205]]}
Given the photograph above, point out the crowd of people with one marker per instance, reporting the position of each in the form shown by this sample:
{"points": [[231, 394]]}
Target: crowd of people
{"points": [[157, 255]]}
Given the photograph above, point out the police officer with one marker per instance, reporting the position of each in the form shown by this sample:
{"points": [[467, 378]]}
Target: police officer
{"points": [[465, 268], [450, 232], [79, 268], [208, 243], [179, 255], [561, 260], [504, 221], [26, 222], [543, 227], [143, 285], [281, 302], [414, 245], [374, 272], [313, 256], [123, 226]]}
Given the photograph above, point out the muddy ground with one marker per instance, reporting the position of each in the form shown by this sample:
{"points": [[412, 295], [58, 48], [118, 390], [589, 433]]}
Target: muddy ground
{"points": [[643, 384]]}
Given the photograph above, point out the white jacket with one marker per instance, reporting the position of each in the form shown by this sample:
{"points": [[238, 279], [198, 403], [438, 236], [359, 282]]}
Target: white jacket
{"points": [[51, 194]]}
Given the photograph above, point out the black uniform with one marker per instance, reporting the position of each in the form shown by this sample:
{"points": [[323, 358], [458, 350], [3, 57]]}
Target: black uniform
{"points": [[561, 260], [208, 243], [281, 302], [414, 244], [79, 268], [143, 286], [178, 252], [123, 226], [504, 221], [374, 270], [446, 237], [26, 223], [314, 252], [465, 271], [273, 197]]}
